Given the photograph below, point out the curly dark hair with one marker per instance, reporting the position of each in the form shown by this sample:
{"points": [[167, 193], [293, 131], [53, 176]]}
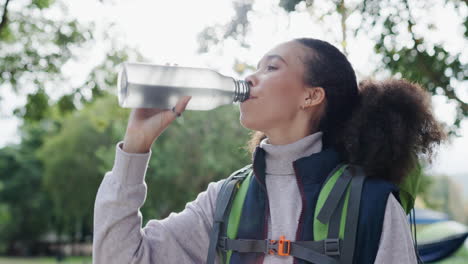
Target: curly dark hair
{"points": [[385, 127]]}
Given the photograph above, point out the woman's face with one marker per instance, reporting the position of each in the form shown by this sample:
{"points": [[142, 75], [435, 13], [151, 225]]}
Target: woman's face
{"points": [[277, 89]]}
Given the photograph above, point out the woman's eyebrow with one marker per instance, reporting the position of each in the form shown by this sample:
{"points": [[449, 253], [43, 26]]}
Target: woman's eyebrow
{"points": [[273, 56]]}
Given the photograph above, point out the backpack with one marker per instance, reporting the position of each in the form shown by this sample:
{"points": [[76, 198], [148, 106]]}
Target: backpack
{"points": [[340, 194]]}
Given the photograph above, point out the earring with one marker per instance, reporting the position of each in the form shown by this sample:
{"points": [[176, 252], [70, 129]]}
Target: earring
{"points": [[307, 104]]}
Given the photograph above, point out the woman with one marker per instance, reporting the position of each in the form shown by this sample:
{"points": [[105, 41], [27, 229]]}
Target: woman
{"points": [[309, 116]]}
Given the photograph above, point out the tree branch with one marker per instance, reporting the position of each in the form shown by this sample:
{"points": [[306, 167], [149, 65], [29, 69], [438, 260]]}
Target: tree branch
{"points": [[450, 93], [411, 23], [344, 15], [4, 16]]}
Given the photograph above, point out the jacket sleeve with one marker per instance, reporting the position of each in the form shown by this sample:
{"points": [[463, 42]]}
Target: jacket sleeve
{"points": [[118, 234], [396, 244]]}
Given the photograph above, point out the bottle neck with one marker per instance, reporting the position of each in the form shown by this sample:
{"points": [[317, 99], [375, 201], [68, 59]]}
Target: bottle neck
{"points": [[242, 91]]}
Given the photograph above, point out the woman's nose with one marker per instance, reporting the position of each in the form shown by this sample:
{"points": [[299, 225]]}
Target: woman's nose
{"points": [[251, 80]]}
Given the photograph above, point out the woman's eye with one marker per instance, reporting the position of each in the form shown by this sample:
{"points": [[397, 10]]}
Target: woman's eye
{"points": [[271, 68]]}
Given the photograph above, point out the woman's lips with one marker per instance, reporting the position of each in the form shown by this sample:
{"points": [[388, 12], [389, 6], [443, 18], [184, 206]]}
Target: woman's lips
{"points": [[250, 98]]}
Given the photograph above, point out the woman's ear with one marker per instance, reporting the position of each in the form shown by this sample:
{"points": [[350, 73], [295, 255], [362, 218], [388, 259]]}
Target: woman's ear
{"points": [[314, 96]]}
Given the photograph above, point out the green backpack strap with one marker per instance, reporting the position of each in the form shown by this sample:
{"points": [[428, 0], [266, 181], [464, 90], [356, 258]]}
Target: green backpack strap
{"points": [[223, 202], [236, 211], [326, 207], [341, 193]]}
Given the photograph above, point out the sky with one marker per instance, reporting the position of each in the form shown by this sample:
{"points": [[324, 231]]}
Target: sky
{"points": [[166, 32]]}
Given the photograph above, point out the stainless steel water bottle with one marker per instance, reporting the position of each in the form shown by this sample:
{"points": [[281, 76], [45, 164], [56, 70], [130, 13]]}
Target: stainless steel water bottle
{"points": [[143, 85]]}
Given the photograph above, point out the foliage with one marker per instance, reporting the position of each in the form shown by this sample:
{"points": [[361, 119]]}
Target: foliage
{"points": [[35, 46], [23, 204], [69, 162], [430, 64], [236, 28], [36, 43], [36, 108]]}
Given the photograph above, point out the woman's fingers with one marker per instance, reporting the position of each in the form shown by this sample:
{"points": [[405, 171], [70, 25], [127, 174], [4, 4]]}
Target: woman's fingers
{"points": [[146, 125], [179, 108], [164, 119], [182, 104]]}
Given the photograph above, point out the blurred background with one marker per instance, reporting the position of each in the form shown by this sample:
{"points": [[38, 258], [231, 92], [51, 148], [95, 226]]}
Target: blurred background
{"points": [[60, 120]]}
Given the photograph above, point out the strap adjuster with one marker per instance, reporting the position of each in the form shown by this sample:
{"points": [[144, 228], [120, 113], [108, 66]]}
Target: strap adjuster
{"points": [[239, 175], [281, 247], [332, 246], [222, 243]]}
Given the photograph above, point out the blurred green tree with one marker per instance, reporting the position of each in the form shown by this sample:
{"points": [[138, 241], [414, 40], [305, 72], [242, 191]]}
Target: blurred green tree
{"points": [[37, 39], [51, 177], [24, 206], [36, 43], [71, 170]]}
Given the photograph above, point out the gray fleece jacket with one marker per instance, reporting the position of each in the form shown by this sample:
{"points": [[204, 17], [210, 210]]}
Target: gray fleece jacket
{"points": [[184, 237]]}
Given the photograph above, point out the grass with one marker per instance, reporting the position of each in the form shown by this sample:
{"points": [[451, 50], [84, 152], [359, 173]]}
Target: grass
{"points": [[460, 257], [45, 260]]}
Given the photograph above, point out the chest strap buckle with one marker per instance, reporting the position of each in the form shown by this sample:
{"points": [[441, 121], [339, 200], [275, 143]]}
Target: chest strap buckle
{"points": [[281, 247]]}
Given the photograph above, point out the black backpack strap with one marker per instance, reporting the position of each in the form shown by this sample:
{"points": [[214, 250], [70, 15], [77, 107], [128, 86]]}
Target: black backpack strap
{"points": [[335, 221], [352, 217], [223, 201], [320, 252], [316, 251]]}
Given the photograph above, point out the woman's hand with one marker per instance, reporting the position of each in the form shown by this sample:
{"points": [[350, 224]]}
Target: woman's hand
{"points": [[145, 125]]}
